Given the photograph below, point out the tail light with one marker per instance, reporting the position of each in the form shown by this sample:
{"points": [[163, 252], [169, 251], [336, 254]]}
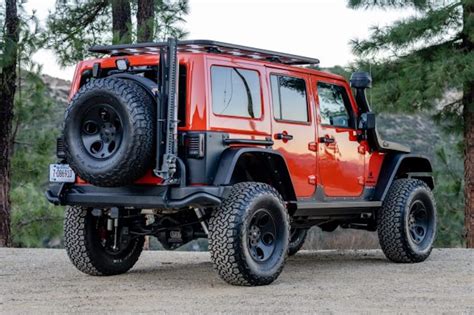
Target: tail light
{"points": [[60, 153], [194, 144]]}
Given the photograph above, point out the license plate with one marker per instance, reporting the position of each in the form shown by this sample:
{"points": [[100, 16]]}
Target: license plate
{"points": [[61, 173]]}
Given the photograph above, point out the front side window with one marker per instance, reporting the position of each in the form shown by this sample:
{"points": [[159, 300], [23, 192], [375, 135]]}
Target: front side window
{"points": [[333, 105], [236, 92], [289, 98]]}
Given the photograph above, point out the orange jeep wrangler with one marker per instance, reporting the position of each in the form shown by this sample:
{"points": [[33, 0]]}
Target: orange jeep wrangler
{"points": [[246, 147]]}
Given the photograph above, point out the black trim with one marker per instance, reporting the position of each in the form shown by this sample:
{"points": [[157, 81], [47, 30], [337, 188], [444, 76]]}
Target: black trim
{"points": [[375, 140], [277, 169], [136, 196], [336, 208], [402, 165], [229, 160], [207, 46], [320, 197], [249, 141]]}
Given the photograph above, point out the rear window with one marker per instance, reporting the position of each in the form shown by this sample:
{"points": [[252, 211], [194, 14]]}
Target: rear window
{"points": [[236, 92], [289, 98]]}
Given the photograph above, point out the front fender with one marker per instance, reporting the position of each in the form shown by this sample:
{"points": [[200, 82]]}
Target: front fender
{"points": [[399, 165]]}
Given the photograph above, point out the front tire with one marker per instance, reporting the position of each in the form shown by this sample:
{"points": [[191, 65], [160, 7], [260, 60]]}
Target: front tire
{"points": [[406, 224], [88, 245], [249, 235]]}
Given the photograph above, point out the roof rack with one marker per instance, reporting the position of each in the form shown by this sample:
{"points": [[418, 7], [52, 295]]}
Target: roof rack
{"points": [[207, 46]]}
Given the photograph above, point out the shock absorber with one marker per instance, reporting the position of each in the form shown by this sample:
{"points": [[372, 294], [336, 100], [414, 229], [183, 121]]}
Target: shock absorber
{"points": [[114, 220], [199, 214]]}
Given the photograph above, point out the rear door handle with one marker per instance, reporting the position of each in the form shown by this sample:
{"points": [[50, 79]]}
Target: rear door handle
{"points": [[283, 136], [326, 140]]}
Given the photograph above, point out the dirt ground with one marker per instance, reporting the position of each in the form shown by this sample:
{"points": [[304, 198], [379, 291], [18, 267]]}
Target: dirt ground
{"points": [[43, 281]]}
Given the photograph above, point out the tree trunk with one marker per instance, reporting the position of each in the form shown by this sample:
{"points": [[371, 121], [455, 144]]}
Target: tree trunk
{"points": [[7, 95], [145, 20], [468, 100], [468, 114], [121, 22]]}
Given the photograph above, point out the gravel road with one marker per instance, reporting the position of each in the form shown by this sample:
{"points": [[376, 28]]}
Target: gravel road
{"points": [[43, 281]]}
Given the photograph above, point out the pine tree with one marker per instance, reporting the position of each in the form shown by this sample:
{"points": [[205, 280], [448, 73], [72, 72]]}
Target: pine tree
{"points": [[427, 64], [75, 25], [9, 41]]}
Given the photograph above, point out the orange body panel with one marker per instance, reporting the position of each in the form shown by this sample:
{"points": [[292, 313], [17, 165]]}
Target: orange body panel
{"points": [[343, 168], [341, 164]]}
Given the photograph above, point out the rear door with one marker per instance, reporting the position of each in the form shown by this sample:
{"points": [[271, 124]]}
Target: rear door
{"points": [[292, 127], [341, 157]]}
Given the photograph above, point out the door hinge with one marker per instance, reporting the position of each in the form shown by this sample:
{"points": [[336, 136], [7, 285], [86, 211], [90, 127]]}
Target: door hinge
{"points": [[312, 179], [361, 180]]}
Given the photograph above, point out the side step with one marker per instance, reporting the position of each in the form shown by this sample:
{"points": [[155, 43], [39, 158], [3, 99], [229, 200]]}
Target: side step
{"points": [[335, 208]]}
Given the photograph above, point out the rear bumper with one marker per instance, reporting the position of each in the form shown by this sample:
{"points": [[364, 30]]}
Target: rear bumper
{"points": [[136, 196]]}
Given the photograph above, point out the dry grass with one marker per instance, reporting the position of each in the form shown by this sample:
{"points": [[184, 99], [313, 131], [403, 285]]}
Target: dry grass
{"points": [[341, 239]]}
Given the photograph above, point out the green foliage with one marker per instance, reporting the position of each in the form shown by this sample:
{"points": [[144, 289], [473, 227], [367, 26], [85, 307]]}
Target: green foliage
{"points": [[422, 64], [76, 25], [34, 221], [417, 4], [169, 16], [449, 198], [436, 25]]}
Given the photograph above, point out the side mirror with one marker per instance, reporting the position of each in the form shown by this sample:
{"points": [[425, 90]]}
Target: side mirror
{"points": [[367, 121], [361, 80]]}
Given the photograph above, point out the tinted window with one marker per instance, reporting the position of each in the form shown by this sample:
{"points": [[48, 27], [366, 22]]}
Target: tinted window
{"points": [[236, 92], [289, 98], [333, 105]]}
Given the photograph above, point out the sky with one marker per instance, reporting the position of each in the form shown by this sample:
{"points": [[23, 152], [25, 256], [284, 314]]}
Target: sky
{"points": [[312, 28]]}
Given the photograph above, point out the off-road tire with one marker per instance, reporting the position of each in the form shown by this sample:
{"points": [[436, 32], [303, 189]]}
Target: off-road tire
{"points": [[133, 157], [297, 239], [228, 228], [84, 251], [393, 221]]}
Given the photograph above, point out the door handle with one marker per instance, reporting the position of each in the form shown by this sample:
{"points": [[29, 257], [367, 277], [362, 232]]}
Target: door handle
{"points": [[326, 140], [283, 136]]}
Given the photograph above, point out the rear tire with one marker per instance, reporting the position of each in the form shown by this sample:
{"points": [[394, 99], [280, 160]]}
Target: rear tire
{"points": [[86, 250], [406, 224], [297, 238], [249, 235]]}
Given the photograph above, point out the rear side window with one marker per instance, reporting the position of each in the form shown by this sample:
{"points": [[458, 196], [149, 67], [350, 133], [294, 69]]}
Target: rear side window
{"points": [[236, 92], [289, 98], [334, 105]]}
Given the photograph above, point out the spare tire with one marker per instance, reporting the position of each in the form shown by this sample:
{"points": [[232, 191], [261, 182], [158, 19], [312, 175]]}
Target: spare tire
{"points": [[109, 132]]}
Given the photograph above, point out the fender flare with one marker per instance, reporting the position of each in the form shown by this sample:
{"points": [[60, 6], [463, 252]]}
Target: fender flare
{"points": [[398, 165], [148, 85], [275, 161]]}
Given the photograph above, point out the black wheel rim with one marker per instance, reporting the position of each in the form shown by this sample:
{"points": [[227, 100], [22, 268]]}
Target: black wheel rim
{"points": [[101, 131], [262, 235], [418, 222]]}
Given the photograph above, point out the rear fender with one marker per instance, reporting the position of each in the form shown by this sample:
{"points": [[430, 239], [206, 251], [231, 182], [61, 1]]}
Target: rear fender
{"points": [[255, 164]]}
